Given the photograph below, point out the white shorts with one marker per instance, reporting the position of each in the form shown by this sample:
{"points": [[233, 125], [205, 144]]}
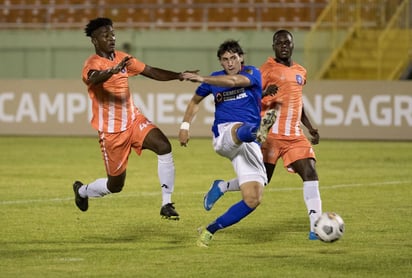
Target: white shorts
{"points": [[247, 159]]}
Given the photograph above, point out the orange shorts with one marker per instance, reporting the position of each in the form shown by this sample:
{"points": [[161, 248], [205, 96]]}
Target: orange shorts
{"points": [[290, 150], [116, 147]]}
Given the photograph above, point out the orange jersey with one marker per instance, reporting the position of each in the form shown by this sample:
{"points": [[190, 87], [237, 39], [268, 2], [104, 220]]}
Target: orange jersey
{"points": [[113, 108], [288, 99]]}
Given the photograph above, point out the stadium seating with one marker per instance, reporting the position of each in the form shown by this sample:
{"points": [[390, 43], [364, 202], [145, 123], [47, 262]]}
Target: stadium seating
{"points": [[162, 14]]}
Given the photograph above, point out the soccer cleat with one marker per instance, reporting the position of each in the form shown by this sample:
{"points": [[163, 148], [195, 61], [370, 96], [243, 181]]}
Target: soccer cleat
{"points": [[81, 203], [266, 123], [204, 238], [169, 212], [313, 236], [212, 195]]}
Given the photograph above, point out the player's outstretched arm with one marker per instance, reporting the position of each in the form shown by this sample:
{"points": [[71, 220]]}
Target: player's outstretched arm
{"points": [[162, 74], [236, 80], [99, 76]]}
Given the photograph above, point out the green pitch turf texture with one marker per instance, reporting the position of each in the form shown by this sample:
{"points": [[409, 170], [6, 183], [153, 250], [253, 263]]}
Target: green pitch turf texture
{"points": [[43, 234]]}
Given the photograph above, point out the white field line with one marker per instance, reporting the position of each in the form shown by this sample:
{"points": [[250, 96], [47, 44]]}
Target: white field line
{"points": [[270, 188]]}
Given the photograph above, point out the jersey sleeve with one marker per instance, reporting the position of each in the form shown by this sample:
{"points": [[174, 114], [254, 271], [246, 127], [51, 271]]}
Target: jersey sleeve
{"points": [[90, 64], [135, 67], [204, 90], [253, 74]]}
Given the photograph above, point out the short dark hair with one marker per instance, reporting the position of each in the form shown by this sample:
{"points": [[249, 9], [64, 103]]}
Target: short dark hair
{"points": [[229, 46], [96, 24], [282, 31]]}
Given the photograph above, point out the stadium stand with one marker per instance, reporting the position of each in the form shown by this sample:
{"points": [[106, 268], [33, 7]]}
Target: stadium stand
{"points": [[162, 14], [344, 39]]}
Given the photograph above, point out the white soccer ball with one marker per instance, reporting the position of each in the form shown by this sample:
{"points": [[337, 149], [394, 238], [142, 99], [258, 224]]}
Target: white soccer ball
{"points": [[329, 227]]}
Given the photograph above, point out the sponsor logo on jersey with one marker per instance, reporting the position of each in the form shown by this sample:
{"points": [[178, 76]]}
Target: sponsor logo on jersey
{"points": [[230, 95]]}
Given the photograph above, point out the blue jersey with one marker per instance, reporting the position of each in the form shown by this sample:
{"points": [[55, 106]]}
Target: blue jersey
{"points": [[236, 104]]}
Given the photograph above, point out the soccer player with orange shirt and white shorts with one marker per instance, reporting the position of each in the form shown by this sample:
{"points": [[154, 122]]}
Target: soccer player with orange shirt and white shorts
{"points": [[282, 82], [120, 124]]}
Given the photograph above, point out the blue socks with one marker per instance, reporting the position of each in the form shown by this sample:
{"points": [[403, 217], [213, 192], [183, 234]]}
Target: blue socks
{"points": [[246, 133], [233, 215]]}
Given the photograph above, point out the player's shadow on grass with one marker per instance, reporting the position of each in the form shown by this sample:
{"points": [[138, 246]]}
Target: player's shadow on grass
{"points": [[271, 231], [166, 234]]}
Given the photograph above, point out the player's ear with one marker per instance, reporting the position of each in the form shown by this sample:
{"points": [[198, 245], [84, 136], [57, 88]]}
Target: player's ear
{"points": [[94, 41], [241, 58]]}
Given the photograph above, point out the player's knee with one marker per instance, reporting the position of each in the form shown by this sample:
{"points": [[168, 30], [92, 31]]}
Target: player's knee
{"points": [[164, 148], [252, 192], [157, 142], [307, 170], [161, 146], [246, 133], [311, 174], [252, 201], [311, 171]]}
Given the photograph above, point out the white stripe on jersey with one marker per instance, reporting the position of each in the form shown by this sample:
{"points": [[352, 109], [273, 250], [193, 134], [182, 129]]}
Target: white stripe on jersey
{"points": [[297, 125], [297, 129], [101, 124], [275, 127], [111, 115], [124, 115], [132, 110], [289, 120]]}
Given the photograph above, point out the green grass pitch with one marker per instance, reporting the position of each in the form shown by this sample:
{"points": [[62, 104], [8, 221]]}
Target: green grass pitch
{"points": [[43, 234]]}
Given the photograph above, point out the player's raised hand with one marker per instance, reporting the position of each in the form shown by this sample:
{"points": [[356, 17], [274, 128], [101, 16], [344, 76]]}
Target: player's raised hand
{"points": [[192, 76], [181, 77], [121, 65], [271, 90]]}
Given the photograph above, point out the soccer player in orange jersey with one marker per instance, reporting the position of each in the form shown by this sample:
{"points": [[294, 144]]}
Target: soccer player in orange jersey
{"points": [[120, 125], [283, 81]]}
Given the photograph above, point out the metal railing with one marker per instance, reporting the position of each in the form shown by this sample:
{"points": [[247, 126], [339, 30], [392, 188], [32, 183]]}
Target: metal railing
{"points": [[341, 19], [397, 31]]}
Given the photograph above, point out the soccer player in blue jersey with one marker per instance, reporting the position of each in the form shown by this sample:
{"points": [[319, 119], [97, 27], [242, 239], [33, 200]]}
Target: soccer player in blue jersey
{"points": [[237, 92]]}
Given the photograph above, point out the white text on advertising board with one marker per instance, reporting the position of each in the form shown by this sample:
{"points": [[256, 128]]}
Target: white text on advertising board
{"points": [[168, 108]]}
